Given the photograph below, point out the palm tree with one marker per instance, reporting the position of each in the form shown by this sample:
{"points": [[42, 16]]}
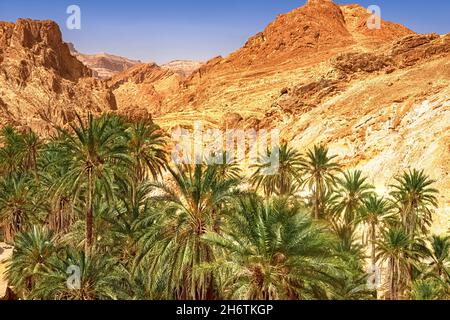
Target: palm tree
{"points": [[273, 250], [146, 146], [228, 168], [10, 153], [31, 256], [428, 289], [350, 285], [173, 247], [395, 249], [415, 200], [319, 170], [18, 206], [60, 211], [439, 253], [75, 276], [20, 150], [96, 155], [285, 178], [374, 213], [352, 190], [130, 218], [31, 145], [348, 243]]}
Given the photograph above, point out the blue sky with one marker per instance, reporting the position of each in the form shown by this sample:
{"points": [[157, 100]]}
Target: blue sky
{"points": [[194, 29]]}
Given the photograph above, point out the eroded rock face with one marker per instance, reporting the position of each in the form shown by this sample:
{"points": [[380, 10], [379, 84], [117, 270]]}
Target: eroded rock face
{"points": [[412, 49], [404, 52], [277, 57], [382, 112], [305, 97], [29, 42], [232, 120], [41, 83], [317, 26], [378, 97], [145, 86], [354, 62], [356, 21]]}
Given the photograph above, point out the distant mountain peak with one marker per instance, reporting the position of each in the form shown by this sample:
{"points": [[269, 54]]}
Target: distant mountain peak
{"points": [[105, 65], [183, 67]]}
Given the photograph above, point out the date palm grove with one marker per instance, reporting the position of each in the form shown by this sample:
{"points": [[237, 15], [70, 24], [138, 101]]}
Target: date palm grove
{"points": [[102, 195]]}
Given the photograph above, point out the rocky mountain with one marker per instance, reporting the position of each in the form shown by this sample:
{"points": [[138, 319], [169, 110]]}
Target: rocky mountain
{"points": [[273, 59], [41, 83], [379, 98], [183, 67]]}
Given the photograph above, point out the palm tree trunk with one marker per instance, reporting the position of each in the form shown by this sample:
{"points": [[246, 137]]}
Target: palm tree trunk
{"points": [[89, 215], [392, 279], [9, 232], [317, 199], [373, 239], [376, 276]]}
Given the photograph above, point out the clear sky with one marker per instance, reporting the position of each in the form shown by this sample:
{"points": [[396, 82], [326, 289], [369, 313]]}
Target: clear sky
{"points": [[194, 29]]}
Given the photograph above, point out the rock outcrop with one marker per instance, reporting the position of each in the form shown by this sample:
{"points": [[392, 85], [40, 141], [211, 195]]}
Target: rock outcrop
{"points": [[41, 83], [28, 43], [145, 86], [413, 49]]}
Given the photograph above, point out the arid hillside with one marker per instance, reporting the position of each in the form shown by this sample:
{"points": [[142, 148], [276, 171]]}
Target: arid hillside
{"points": [[307, 37]]}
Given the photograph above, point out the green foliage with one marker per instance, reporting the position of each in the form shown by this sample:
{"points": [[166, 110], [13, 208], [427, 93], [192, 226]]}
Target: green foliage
{"points": [[32, 254], [96, 155], [352, 189], [429, 289], [273, 250], [285, 178], [19, 203], [146, 147], [97, 281], [395, 248], [101, 198], [173, 247], [319, 174], [415, 199], [20, 150]]}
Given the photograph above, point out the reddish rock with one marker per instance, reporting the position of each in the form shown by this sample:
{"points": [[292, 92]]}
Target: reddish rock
{"points": [[41, 82]]}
